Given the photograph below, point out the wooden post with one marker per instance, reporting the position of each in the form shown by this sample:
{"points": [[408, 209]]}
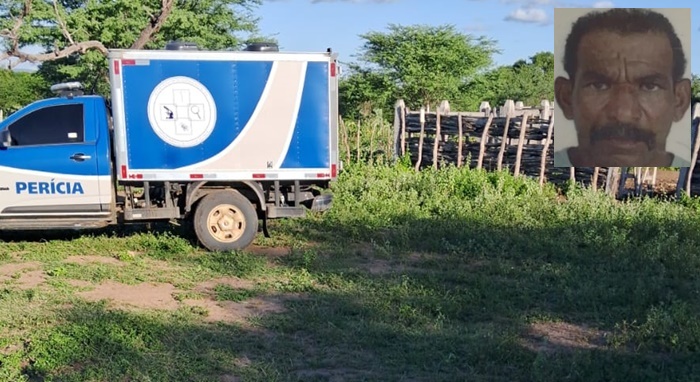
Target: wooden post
{"points": [[445, 110], [503, 143], [594, 185], [372, 128], [640, 180], [622, 191], [482, 146], [391, 145], [644, 178], [685, 175], [572, 174], [694, 157], [546, 109], [420, 140], [398, 131], [436, 143], [485, 108], [460, 140], [521, 141], [613, 181], [344, 128], [357, 144], [545, 150], [508, 110], [403, 129]]}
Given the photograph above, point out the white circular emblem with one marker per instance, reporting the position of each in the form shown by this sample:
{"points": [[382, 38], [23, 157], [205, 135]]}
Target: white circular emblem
{"points": [[182, 111]]}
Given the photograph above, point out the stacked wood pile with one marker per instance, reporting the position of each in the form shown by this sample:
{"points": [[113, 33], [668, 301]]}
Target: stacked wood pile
{"points": [[489, 140]]}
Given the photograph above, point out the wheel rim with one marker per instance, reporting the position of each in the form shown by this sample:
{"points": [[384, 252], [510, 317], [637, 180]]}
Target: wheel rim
{"points": [[226, 223]]}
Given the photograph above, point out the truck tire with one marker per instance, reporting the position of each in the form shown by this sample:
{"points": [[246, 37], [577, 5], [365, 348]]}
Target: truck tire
{"points": [[225, 221]]}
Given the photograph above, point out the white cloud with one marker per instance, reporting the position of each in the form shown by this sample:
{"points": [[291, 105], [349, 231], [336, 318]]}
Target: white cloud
{"points": [[603, 4], [528, 15]]}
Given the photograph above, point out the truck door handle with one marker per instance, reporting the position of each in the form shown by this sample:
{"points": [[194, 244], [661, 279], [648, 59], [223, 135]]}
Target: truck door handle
{"points": [[79, 157]]}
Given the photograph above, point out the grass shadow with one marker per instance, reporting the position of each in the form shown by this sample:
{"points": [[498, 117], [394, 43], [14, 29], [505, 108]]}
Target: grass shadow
{"points": [[91, 342], [625, 274]]}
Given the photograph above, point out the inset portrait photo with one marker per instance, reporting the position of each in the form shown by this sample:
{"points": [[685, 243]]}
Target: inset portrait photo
{"points": [[622, 86]]}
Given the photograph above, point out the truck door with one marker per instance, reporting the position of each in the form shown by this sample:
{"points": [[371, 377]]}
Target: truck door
{"points": [[50, 168]]}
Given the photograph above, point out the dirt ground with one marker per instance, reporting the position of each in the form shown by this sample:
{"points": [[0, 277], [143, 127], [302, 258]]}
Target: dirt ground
{"points": [[156, 295]]}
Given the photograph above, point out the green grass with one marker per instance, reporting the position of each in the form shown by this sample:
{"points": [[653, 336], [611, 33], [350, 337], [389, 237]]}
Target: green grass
{"points": [[438, 276]]}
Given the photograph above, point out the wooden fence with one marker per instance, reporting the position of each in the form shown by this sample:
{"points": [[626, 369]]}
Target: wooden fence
{"points": [[518, 139]]}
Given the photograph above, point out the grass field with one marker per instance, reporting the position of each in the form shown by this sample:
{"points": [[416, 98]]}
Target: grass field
{"points": [[457, 276]]}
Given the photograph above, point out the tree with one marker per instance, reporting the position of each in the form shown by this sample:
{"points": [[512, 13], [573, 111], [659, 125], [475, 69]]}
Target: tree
{"points": [[426, 63], [695, 89], [19, 89], [529, 81], [533, 81], [76, 34], [364, 89]]}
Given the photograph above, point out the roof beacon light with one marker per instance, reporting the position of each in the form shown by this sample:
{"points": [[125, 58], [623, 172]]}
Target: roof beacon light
{"points": [[68, 89]]}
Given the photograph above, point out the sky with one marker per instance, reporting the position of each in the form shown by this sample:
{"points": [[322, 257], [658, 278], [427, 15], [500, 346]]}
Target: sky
{"points": [[520, 28]]}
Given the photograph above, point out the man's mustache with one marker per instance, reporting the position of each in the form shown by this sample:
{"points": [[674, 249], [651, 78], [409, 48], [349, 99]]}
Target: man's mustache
{"points": [[625, 131]]}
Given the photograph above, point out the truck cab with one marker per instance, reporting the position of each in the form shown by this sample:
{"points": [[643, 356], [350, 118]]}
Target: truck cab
{"points": [[56, 163]]}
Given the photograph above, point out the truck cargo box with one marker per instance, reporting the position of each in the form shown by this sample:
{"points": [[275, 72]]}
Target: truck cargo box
{"points": [[184, 115]]}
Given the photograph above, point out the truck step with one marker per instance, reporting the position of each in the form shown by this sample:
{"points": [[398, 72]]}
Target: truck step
{"points": [[151, 213], [52, 223], [274, 212]]}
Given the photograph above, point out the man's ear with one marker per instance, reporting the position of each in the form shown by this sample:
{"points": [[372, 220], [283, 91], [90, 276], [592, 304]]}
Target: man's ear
{"points": [[563, 94], [682, 99]]}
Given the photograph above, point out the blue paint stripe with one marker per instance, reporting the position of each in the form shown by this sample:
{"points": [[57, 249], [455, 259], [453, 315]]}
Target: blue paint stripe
{"points": [[309, 147], [236, 88]]}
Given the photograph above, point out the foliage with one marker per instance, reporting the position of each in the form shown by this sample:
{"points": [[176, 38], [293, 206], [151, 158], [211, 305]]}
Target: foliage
{"points": [[66, 29], [695, 89], [369, 138], [426, 63], [449, 274], [362, 90], [527, 81], [443, 275], [17, 89]]}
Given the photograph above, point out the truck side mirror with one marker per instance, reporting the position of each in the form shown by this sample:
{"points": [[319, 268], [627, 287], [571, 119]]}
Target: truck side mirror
{"points": [[5, 139]]}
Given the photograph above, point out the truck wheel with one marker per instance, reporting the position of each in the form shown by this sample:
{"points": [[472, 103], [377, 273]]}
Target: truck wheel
{"points": [[225, 221]]}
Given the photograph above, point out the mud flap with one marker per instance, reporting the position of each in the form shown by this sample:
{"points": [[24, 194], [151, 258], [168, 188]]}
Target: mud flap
{"points": [[264, 226]]}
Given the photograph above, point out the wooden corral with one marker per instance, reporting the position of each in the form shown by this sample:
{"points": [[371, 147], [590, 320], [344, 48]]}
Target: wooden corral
{"points": [[517, 139]]}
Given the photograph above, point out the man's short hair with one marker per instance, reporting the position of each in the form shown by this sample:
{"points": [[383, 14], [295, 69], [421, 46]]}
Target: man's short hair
{"points": [[623, 21]]}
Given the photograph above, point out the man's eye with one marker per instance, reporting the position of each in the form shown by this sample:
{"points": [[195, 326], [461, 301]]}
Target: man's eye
{"points": [[650, 87], [598, 85]]}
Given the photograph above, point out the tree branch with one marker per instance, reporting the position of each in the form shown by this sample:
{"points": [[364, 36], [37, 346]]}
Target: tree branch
{"points": [[12, 34], [61, 24], [81, 47], [15, 52], [154, 25]]}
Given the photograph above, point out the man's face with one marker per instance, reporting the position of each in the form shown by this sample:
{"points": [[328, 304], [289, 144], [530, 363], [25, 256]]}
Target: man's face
{"points": [[623, 99]]}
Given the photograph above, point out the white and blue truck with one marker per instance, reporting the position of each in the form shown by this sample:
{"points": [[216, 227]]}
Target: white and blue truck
{"points": [[222, 139]]}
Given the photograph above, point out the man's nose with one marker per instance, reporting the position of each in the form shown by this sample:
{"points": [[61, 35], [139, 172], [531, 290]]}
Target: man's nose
{"points": [[623, 104]]}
